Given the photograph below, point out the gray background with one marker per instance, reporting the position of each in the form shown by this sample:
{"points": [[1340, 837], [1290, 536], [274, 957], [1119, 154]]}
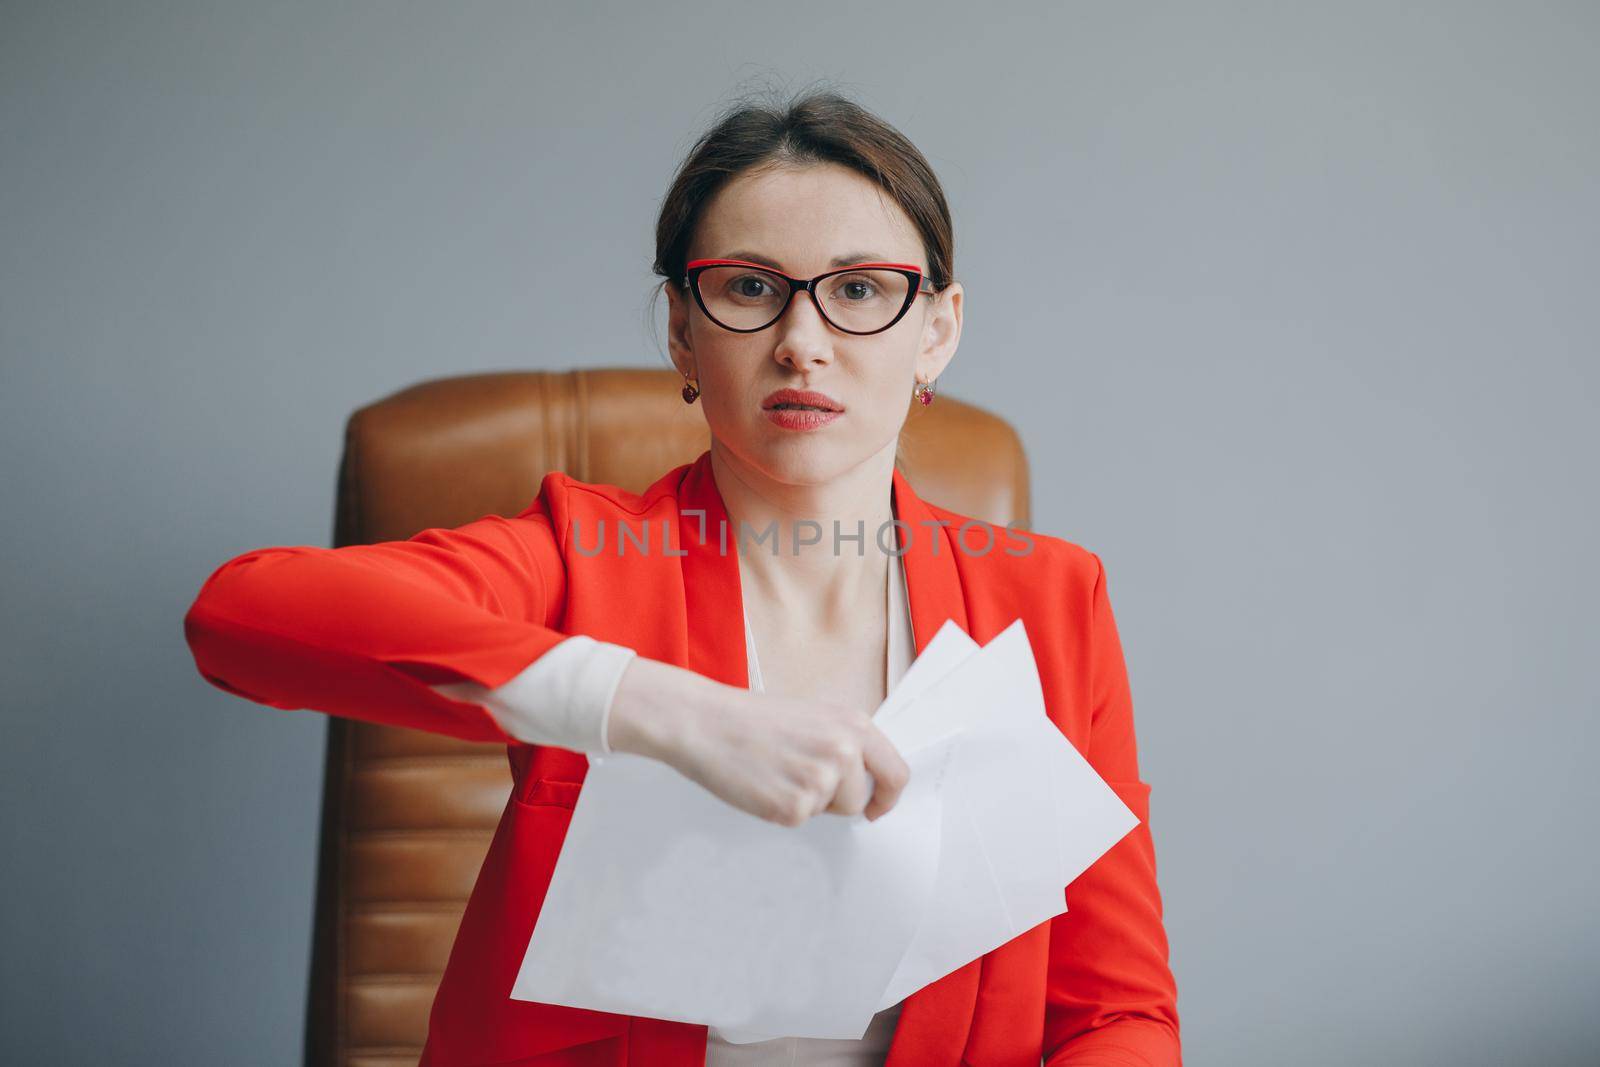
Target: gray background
{"points": [[1294, 307]]}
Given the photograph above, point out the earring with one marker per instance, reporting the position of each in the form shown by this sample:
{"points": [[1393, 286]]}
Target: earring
{"points": [[690, 391], [924, 392]]}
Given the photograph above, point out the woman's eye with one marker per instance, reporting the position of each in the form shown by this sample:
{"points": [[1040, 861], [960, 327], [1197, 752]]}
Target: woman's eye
{"points": [[857, 289], [750, 286]]}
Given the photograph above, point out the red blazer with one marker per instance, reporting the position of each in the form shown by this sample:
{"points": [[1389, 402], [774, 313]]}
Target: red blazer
{"points": [[363, 631]]}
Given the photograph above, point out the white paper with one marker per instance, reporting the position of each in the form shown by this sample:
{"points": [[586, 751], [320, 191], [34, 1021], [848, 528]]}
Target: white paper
{"points": [[1024, 812], [668, 903]]}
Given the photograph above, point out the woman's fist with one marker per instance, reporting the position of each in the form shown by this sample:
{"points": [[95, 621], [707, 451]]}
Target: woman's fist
{"points": [[782, 759]]}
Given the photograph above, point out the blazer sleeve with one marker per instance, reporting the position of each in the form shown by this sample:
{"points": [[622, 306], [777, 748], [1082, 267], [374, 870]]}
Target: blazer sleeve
{"points": [[1110, 996], [367, 631]]}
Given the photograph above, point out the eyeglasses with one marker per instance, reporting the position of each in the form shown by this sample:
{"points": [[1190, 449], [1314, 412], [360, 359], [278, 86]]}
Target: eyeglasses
{"points": [[862, 298]]}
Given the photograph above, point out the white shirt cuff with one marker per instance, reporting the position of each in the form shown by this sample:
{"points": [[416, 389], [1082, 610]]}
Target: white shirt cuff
{"points": [[563, 698]]}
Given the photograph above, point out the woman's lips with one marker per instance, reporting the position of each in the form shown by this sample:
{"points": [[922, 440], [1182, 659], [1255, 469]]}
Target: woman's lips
{"points": [[801, 409], [800, 418]]}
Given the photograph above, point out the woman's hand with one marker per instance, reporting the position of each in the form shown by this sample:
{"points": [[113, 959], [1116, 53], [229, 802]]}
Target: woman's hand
{"points": [[779, 758]]}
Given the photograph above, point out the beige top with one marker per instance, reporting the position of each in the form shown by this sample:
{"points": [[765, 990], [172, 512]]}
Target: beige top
{"points": [[873, 1047]]}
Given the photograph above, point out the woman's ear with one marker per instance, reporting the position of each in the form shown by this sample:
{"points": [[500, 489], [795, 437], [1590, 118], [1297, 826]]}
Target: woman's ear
{"points": [[940, 333], [679, 344]]}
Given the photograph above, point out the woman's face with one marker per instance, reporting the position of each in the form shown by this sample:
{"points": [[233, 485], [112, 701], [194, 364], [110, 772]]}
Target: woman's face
{"points": [[801, 219]]}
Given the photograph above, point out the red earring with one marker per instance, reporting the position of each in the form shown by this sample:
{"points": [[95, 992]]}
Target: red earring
{"points": [[690, 391], [924, 393]]}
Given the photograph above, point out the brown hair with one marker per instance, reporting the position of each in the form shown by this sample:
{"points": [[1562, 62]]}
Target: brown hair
{"points": [[819, 126]]}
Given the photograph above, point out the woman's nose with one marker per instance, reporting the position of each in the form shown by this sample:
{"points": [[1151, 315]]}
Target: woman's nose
{"points": [[803, 334]]}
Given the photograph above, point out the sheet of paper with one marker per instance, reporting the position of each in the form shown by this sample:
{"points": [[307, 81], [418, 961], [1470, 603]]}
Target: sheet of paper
{"points": [[1014, 781], [1002, 684], [669, 903], [1004, 775]]}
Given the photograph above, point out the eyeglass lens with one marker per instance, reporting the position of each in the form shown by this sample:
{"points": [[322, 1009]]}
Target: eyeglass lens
{"points": [[745, 298]]}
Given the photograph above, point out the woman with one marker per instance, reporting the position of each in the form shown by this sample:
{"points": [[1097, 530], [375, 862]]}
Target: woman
{"points": [[807, 256]]}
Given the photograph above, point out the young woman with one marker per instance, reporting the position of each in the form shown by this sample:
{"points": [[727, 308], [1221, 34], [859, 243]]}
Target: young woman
{"points": [[806, 252]]}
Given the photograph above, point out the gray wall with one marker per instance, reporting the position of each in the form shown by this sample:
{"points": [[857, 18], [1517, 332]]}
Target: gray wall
{"points": [[1294, 307]]}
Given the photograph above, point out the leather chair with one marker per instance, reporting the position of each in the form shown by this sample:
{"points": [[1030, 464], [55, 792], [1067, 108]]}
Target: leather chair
{"points": [[408, 815]]}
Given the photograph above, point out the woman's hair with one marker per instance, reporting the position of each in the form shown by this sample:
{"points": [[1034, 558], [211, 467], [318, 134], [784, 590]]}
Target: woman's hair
{"points": [[819, 126]]}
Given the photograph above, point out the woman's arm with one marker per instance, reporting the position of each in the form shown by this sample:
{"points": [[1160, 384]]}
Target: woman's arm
{"points": [[445, 632], [366, 631], [1110, 997]]}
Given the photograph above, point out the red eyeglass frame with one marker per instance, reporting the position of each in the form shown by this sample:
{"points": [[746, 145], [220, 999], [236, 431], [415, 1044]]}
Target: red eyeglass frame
{"points": [[920, 285]]}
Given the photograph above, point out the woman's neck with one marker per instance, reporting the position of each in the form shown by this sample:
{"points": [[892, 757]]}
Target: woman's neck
{"points": [[824, 582]]}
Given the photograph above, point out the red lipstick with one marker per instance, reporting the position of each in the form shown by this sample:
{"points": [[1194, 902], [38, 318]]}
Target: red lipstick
{"points": [[801, 409]]}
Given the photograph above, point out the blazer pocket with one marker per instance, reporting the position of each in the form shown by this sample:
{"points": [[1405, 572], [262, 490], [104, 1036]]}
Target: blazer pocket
{"points": [[552, 792]]}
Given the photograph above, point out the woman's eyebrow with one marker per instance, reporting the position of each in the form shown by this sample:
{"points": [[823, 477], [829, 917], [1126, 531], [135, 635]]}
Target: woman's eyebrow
{"points": [[838, 261]]}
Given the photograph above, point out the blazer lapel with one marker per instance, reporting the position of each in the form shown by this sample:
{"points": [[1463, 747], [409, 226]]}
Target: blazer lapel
{"points": [[713, 598], [933, 583]]}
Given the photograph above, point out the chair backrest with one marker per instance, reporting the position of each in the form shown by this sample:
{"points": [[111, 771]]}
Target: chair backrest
{"points": [[407, 815]]}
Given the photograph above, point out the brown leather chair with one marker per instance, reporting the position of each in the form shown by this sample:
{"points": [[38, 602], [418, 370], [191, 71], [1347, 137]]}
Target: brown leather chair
{"points": [[407, 815]]}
